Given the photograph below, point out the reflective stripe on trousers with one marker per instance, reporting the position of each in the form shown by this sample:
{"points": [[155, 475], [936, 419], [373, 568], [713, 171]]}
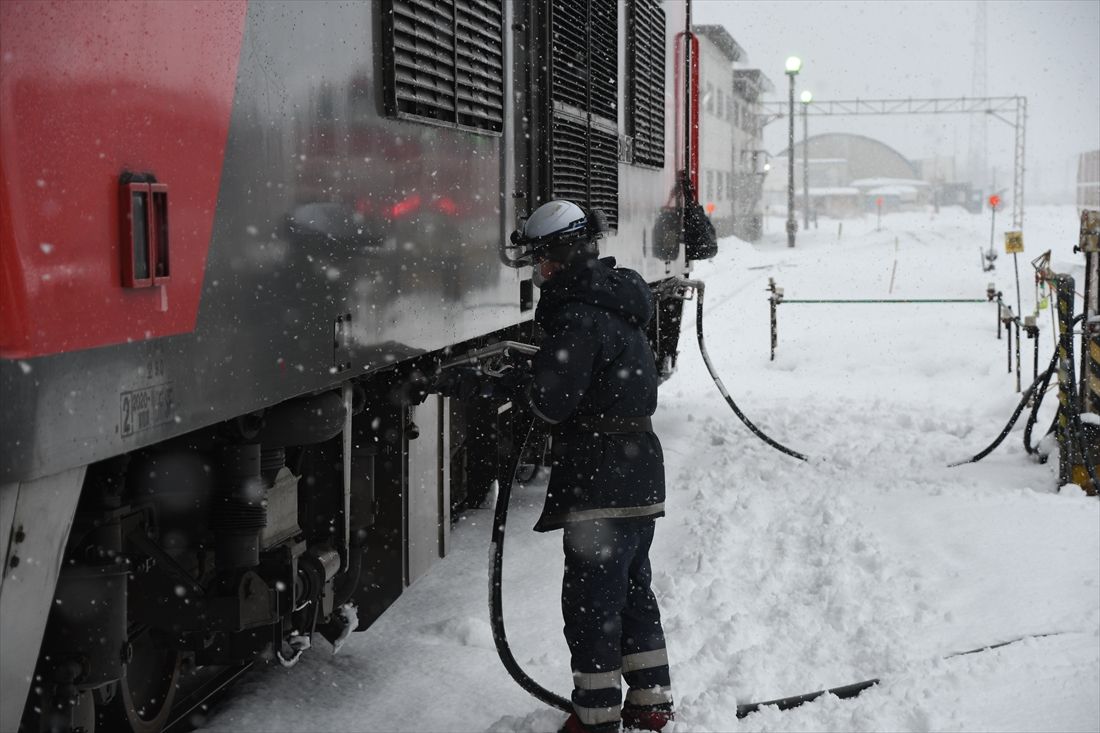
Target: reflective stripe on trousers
{"points": [[612, 621], [647, 673], [595, 688]]}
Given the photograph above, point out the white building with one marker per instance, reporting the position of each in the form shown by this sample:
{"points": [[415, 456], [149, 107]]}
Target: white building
{"points": [[717, 53], [731, 156]]}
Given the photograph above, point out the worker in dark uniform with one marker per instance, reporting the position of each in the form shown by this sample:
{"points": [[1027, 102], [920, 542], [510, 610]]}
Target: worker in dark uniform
{"points": [[594, 380]]}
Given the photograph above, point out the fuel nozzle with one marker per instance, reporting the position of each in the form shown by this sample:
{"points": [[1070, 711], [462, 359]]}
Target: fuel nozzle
{"points": [[495, 359], [1031, 327]]}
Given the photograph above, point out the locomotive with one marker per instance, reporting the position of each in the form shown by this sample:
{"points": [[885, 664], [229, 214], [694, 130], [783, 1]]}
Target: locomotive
{"points": [[238, 239]]}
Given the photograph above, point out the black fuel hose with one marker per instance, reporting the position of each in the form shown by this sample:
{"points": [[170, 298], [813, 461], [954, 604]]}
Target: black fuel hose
{"points": [[496, 569], [700, 286], [1076, 432], [1033, 417], [1043, 378]]}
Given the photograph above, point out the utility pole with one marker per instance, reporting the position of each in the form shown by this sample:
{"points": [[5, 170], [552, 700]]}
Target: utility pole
{"points": [[978, 123], [806, 97], [792, 67]]}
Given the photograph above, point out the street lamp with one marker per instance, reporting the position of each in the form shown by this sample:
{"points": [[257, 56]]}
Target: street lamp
{"points": [[794, 64], [806, 97]]}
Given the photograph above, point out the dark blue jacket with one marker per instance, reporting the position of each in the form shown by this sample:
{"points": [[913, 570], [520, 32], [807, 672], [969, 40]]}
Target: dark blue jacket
{"points": [[595, 361]]}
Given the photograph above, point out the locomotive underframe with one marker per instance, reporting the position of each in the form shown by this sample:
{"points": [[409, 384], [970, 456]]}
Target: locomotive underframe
{"points": [[233, 542]]}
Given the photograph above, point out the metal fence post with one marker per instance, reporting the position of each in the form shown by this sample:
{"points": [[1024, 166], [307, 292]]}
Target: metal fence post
{"points": [[773, 302]]}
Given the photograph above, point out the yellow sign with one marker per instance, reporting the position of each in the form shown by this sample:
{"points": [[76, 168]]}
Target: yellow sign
{"points": [[1014, 242]]}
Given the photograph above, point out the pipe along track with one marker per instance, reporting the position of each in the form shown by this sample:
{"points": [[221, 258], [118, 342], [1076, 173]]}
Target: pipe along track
{"points": [[500, 518]]}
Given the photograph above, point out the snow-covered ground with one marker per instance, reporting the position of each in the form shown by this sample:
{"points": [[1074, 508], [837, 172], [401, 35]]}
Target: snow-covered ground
{"points": [[779, 577]]}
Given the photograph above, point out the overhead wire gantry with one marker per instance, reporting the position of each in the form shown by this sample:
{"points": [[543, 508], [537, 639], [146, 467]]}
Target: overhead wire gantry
{"points": [[1010, 110]]}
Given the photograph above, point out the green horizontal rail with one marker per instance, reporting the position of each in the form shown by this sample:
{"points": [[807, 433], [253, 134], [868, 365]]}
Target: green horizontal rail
{"points": [[922, 300]]}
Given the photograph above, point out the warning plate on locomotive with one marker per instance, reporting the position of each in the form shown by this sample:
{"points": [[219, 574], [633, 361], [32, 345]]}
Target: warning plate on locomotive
{"points": [[141, 409]]}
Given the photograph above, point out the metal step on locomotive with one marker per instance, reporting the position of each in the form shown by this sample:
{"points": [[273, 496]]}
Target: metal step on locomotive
{"points": [[236, 238]]}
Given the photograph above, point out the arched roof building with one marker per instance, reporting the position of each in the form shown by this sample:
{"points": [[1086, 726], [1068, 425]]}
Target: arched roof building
{"points": [[867, 157], [846, 172]]}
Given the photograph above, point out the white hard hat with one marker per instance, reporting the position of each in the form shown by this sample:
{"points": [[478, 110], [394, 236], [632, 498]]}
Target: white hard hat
{"points": [[556, 224], [555, 219]]}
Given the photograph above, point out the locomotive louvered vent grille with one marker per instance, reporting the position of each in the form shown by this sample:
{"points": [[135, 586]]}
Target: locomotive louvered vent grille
{"points": [[584, 96], [646, 54], [603, 58], [569, 165], [570, 43], [445, 61], [604, 193]]}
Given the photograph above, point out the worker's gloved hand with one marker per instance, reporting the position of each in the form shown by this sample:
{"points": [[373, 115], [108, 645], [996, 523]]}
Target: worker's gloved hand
{"points": [[461, 382], [467, 382], [510, 384]]}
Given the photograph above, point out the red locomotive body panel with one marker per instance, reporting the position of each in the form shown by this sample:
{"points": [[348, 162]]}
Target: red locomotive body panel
{"points": [[89, 91]]}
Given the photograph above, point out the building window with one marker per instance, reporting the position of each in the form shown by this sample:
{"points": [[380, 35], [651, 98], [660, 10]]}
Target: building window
{"points": [[720, 179], [646, 71], [708, 98], [583, 104], [443, 62], [710, 185]]}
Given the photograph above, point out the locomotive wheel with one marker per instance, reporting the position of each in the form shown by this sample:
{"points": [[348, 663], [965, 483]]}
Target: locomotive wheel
{"points": [[146, 689]]}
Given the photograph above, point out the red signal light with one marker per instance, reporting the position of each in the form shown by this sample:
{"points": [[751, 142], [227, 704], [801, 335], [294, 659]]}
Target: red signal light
{"points": [[994, 201]]}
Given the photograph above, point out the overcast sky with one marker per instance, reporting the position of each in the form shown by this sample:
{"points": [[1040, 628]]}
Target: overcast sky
{"points": [[1046, 50]]}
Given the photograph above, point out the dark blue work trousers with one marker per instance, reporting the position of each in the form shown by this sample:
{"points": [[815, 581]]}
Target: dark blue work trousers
{"points": [[612, 622]]}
